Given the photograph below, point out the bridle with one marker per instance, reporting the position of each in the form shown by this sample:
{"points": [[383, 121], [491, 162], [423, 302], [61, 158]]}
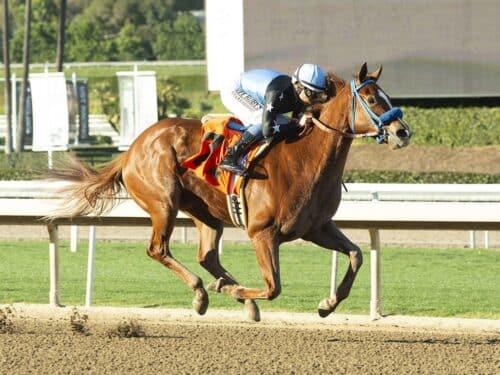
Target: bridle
{"points": [[379, 122]]}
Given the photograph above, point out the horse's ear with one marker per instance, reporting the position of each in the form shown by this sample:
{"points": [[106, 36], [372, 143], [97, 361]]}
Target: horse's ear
{"points": [[376, 74], [362, 73]]}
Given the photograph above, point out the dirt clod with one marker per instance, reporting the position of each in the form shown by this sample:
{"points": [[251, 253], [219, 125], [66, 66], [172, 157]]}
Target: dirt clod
{"points": [[79, 323], [6, 324], [127, 329]]}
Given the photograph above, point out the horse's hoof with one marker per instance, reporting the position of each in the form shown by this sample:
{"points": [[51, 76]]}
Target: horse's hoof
{"points": [[200, 301], [252, 310], [324, 308]]}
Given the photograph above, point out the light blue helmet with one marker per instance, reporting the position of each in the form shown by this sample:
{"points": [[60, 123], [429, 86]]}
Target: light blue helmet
{"points": [[310, 76]]}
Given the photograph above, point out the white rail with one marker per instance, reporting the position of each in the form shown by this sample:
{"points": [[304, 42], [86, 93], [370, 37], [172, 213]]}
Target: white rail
{"points": [[366, 206]]}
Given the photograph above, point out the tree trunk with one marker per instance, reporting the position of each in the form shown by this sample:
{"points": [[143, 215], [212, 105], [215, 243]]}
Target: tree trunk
{"points": [[21, 129], [8, 88], [60, 36]]}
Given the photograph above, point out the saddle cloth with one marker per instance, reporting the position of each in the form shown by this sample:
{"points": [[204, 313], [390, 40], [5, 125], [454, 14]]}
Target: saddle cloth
{"points": [[218, 134]]}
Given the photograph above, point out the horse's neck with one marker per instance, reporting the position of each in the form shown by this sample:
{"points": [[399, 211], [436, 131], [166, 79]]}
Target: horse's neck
{"points": [[331, 149]]}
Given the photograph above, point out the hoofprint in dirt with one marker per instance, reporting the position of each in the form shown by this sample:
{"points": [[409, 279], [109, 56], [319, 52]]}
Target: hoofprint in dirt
{"points": [[42, 339], [115, 340]]}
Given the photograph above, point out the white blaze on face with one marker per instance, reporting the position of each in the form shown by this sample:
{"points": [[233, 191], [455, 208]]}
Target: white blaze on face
{"points": [[383, 96]]}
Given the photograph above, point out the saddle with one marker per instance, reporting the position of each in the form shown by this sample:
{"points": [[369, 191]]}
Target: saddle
{"points": [[218, 135]]}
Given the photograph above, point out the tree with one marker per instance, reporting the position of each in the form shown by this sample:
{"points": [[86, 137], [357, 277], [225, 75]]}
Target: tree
{"points": [[181, 39], [21, 129], [131, 46], [185, 5], [60, 36], [43, 31], [108, 30], [8, 89], [86, 42]]}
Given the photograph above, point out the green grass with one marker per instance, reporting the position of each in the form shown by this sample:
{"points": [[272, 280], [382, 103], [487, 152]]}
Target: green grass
{"points": [[426, 282]]}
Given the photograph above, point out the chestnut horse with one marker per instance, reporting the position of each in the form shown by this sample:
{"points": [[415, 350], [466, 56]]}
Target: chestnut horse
{"points": [[296, 195]]}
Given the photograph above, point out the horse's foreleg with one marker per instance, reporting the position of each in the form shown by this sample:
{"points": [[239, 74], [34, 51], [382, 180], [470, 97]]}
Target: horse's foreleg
{"points": [[267, 253], [159, 250], [330, 237], [208, 257]]}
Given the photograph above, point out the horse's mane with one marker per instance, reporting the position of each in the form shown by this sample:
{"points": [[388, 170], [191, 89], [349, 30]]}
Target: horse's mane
{"points": [[335, 84]]}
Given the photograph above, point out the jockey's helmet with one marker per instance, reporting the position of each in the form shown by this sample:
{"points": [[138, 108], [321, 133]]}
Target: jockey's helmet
{"points": [[310, 76]]}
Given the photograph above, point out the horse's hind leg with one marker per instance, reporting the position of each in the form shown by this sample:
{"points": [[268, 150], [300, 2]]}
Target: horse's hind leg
{"points": [[330, 237], [162, 203], [159, 249], [208, 257]]}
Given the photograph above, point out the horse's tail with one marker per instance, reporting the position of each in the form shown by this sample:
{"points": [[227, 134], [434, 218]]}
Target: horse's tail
{"points": [[90, 191]]}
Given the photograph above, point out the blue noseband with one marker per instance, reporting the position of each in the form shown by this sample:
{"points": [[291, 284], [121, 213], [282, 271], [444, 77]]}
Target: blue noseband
{"points": [[391, 115]]}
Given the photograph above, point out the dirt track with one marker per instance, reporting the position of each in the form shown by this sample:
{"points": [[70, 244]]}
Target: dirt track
{"points": [[52, 341]]}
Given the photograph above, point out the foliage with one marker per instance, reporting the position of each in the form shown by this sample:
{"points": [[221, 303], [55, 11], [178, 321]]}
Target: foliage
{"points": [[110, 30], [179, 39], [408, 177], [100, 139], [110, 102], [130, 44], [43, 31], [22, 166], [169, 100], [471, 126], [84, 42]]}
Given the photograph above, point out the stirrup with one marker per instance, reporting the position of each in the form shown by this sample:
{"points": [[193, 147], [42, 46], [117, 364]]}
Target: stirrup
{"points": [[233, 168]]}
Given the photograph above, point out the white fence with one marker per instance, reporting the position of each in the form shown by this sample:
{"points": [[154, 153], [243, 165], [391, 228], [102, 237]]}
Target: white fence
{"points": [[364, 206]]}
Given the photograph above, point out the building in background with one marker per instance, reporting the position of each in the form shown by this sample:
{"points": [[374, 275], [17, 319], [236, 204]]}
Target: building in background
{"points": [[428, 48]]}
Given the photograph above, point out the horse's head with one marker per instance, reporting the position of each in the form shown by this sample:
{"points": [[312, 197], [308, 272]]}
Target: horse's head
{"points": [[372, 113]]}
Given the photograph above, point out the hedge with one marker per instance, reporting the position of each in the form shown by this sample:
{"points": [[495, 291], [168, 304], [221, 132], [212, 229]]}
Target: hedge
{"points": [[349, 176], [420, 177], [471, 126]]}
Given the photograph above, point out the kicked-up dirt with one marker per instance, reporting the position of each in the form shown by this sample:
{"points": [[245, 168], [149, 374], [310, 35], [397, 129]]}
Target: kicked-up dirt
{"points": [[147, 341]]}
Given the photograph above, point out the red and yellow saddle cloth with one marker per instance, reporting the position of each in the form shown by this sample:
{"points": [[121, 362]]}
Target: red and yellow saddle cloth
{"points": [[219, 134]]}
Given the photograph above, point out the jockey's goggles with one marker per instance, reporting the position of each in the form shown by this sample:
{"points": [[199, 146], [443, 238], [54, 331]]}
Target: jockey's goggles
{"points": [[318, 96]]}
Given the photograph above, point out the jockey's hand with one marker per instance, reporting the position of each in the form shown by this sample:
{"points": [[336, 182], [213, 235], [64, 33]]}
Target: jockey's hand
{"points": [[306, 119]]}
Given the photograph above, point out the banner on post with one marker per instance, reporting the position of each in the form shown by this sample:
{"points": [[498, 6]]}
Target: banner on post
{"points": [[82, 95], [138, 104], [50, 111]]}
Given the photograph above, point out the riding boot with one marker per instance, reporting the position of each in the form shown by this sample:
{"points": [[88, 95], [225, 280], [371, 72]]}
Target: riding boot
{"points": [[231, 161]]}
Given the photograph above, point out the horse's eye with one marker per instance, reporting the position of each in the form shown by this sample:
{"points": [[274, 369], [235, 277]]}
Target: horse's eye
{"points": [[371, 100]]}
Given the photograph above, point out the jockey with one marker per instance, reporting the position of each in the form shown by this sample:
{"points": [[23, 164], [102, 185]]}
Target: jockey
{"points": [[261, 97]]}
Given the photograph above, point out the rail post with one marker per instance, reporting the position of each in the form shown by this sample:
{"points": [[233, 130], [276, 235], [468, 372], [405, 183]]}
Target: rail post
{"points": [[73, 238], [333, 277], [54, 265], [375, 302], [90, 267]]}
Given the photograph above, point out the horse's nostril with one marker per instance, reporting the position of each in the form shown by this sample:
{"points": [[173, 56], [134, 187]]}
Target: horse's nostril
{"points": [[402, 133]]}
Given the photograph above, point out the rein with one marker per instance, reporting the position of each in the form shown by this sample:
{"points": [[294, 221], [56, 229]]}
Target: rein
{"points": [[324, 127]]}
